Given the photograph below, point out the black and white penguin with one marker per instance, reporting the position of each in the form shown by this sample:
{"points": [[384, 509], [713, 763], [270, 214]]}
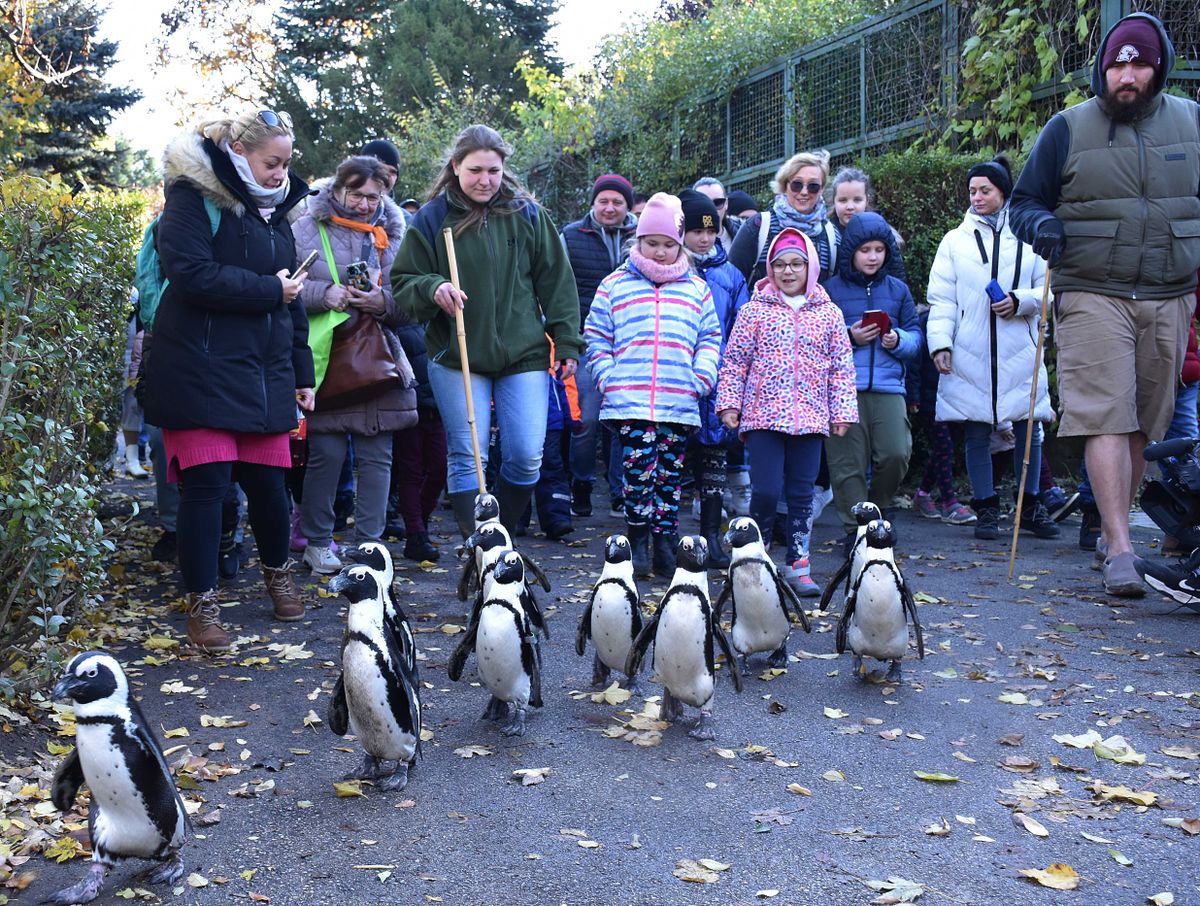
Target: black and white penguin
{"points": [[683, 630], [874, 621], [488, 544], [135, 811], [492, 536], [377, 558], [505, 647], [613, 616], [377, 698], [759, 618], [864, 512]]}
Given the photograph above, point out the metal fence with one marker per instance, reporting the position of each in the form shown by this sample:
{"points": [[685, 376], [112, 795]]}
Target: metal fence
{"points": [[883, 81]]}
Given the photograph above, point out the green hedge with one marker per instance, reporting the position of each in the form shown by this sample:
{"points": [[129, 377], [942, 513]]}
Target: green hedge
{"points": [[66, 265]]}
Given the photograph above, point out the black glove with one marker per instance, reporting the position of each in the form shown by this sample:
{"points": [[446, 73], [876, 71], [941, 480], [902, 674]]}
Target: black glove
{"points": [[1050, 241]]}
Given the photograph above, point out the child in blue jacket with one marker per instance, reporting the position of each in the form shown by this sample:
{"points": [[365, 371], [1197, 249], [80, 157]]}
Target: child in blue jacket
{"points": [[881, 440]]}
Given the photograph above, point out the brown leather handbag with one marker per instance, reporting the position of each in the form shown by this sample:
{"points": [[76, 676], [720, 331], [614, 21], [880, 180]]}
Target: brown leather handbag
{"points": [[361, 366]]}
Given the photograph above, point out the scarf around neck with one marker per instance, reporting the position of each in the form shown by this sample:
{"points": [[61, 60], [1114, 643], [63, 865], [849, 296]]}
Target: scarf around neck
{"points": [[811, 224], [660, 273], [262, 196]]}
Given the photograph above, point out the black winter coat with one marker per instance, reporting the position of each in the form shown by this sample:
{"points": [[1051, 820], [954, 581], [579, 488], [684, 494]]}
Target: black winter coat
{"points": [[227, 352]]}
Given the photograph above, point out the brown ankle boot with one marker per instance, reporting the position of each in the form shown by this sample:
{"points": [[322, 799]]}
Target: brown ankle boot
{"points": [[288, 606], [204, 628]]}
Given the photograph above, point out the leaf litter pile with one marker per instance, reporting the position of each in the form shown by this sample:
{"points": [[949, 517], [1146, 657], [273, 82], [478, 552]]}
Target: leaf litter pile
{"points": [[1050, 740]]}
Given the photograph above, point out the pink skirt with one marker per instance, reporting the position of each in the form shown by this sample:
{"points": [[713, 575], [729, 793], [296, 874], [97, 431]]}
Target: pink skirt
{"points": [[200, 446]]}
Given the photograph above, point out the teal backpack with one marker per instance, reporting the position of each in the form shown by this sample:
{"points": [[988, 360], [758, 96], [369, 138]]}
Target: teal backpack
{"points": [[149, 278]]}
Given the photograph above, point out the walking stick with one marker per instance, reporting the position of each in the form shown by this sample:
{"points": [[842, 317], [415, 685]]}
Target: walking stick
{"points": [[448, 235], [1029, 426]]}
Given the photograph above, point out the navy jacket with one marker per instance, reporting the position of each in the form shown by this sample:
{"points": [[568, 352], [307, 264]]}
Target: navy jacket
{"points": [[729, 294], [590, 257]]}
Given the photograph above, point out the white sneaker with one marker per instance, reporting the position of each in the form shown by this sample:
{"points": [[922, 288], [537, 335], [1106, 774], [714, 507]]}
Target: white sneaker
{"points": [[321, 560], [822, 497]]}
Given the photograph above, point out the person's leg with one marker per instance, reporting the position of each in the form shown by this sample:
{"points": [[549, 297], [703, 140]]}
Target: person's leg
{"points": [[669, 464], [267, 507], [408, 472], [1184, 421], [979, 459], [202, 492], [1112, 465], [583, 440], [553, 491], [433, 439], [373, 469], [765, 450], [847, 458], [891, 446], [521, 416], [616, 471], [461, 479], [322, 473], [637, 488], [166, 498], [712, 486], [1034, 516], [802, 460]]}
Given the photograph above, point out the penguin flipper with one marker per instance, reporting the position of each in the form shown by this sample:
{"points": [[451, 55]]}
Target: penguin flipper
{"points": [[637, 650], [458, 659], [735, 672], [339, 712], [532, 566], [531, 660], [842, 573], [910, 605], [726, 593], [534, 611], [788, 594], [844, 620], [470, 571], [67, 781], [584, 632]]}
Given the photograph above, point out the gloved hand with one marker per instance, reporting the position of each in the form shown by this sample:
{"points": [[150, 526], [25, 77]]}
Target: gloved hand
{"points": [[1050, 241]]}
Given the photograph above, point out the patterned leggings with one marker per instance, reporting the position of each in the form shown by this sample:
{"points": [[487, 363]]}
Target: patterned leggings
{"points": [[939, 468], [652, 464]]}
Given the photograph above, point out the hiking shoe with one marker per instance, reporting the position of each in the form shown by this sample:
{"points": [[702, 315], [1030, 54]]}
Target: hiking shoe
{"points": [[798, 577], [1089, 528], [956, 513], [1036, 520], [418, 547], [1121, 577], [322, 560], [281, 588], [165, 549], [923, 505], [1181, 582], [987, 512], [204, 628]]}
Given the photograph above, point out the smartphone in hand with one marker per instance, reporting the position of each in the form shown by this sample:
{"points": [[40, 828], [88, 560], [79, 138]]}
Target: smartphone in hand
{"points": [[995, 292], [877, 318], [304, 266]]}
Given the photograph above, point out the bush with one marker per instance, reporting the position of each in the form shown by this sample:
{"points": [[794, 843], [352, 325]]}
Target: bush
{"points": [[66, 265]]}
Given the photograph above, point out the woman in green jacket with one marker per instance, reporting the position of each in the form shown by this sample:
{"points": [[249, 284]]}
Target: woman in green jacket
{"points": [[518, 295]]}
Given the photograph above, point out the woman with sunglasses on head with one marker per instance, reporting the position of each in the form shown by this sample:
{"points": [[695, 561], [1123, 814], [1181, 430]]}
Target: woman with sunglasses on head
{"points": [[355, 229], [799, 203], [229, 361]]}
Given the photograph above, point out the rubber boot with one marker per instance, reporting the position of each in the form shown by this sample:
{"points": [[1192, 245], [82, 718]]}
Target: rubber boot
{"points": [[710, 528], [463, 504], [513, 500], [639, 545], [664, 555], [133, 465], [282, 590], [204, 628], [797, 573]]}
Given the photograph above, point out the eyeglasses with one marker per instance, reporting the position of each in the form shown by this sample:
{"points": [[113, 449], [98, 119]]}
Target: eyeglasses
{"points": [[794, 266], [353, 199], [274, 120], [718, 202], [799, 187]]}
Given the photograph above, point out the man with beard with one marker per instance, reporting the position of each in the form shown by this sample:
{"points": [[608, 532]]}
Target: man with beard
{"points": [[1109, 198]]}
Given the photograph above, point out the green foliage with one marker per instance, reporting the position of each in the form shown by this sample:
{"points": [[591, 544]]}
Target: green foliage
{"points": [[66, 262]]}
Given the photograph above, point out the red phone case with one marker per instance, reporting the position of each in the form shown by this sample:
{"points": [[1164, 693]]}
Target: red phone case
{"points": [[879, 319]]}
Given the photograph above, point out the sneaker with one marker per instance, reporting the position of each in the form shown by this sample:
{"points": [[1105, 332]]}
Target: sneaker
{"points": [[987, 524], [1060, 505], [165, 548], [321, 560], [1089, 528], [822, 497], [799, 578], [956, 513], [924, 506], [1121, 577], [1180, 582]]}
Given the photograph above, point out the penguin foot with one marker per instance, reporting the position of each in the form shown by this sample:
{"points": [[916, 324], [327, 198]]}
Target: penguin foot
{"points": [[496, 710], [670, 709], [369, 770], [83, 892], [893, 674], [631, 684], [704, 728], [779, 657], [167, 872], [600, 673], [859, 670], [397, 780], [745, 665], [517, 726]]}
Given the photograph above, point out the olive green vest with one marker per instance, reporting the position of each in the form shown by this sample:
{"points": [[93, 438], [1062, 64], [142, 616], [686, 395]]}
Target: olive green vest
{"points": [[1128, 202]]}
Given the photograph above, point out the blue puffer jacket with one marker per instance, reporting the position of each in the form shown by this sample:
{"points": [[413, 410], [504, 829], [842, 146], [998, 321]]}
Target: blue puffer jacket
{"points": [[729, 293], [877, 369]]}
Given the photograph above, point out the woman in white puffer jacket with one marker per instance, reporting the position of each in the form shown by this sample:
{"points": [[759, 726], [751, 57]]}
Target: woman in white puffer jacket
{"points": [[985, 350]]}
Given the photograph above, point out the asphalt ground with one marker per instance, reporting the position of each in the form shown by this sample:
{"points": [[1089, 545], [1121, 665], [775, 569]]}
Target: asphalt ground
{"points": [[809, 792]]}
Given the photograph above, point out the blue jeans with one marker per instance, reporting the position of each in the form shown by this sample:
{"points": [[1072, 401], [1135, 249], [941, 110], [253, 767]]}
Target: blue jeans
{"points": [[979, 457], [521, 401]]}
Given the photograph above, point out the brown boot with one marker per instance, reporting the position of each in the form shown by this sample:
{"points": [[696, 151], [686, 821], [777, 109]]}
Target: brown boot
{"points": [[288, 606], [204, 628]]}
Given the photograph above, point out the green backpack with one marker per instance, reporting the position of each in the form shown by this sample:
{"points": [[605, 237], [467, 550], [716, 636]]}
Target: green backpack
{"points": [[149, 278]]}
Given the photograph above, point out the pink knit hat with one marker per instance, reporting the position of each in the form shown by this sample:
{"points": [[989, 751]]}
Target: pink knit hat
{"points": [[788, 240], [662, 216]]}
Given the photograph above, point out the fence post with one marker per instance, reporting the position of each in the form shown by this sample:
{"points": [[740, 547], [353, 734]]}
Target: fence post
{"points": [[789, 109], [862, 91], [950, 59], [1111, 12]]}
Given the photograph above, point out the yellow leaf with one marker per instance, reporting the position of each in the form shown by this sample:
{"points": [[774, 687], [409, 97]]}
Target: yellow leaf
{"points": [[159, 643], [63, 849], [1115, 748], [1142, 797], [693, 872], [935, 777], [348, 788], [1058, 876], [1082, 741], [1031, 824], [452, 628], [798, 789], [1014, 698], [613, 695], [195, 879], [1120, 858], [833, 776], [772, 673], [177, 733]]}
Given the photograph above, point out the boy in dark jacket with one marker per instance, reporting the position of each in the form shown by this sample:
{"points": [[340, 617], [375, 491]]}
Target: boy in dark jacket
{"points": [[552, 496]]}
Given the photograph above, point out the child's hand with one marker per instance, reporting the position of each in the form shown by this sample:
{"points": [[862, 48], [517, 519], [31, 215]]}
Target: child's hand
{"points": [[839, 429], [890, 339], [730, 418], [863, 335]]}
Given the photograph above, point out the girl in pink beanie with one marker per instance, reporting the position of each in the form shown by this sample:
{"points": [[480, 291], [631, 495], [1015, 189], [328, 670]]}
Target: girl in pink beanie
{"points": [[787, 381], [654, 342]]}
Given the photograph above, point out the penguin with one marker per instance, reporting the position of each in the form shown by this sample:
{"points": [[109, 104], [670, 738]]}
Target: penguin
{"points": [[864, 511], [135, 810], [613, 616], [760, 598], [505, 648], [874, 620], [377, 698], [488, 544], [683, 630], [497, 538], [376, 557]]}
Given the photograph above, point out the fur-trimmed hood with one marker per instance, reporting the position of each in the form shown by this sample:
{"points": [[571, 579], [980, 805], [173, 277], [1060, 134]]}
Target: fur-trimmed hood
{"points": [[197, 159], [388, 214]]}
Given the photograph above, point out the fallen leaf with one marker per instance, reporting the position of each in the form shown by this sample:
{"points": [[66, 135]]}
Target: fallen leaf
{"points": [[1031, 824], [835, 713], [588, 844], [798, 789], [963, 819], [963, 756], [833, 776], [713, 865], [1019, 764], [348, 788], [766, 894], [1011, 739], [1115, 748], [1058, 876], [195, 879], [1185, 752], [772, 673], [1093, 837], [896, 890], [940, 828], [177, 733], [531, 776], [472, 751], [935, 777], [1142, 797], [1083, 741], [693, 872], [1120, 858], [1162, 899], [1189, 826], [613, 695], [1014, 698]]}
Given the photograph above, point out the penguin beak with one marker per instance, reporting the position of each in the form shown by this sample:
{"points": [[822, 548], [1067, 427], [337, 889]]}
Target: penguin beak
{"points": [[338, 583], [354, 555], [65, 688]]}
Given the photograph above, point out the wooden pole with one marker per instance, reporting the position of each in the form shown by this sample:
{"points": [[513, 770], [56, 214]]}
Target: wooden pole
{"points": [[1030, 427], [448, 235]]}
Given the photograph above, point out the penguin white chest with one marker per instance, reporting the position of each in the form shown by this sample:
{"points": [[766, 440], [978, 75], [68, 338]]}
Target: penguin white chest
{"points": [[123, 825], [878, 627], [367, 700], [679, 646], [498, 656], [612, 617], [760, 623]]}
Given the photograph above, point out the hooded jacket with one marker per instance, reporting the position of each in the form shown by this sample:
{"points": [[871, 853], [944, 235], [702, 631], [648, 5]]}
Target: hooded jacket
{"points": [[396, 408], [591, 254], [991, 358], [789, 370], [1125, 193], [729, 294], [878, 370], [227, 352]]}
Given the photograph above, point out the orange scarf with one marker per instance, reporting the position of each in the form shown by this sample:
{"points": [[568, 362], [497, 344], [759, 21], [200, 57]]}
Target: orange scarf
{"points": [[379, 233]]}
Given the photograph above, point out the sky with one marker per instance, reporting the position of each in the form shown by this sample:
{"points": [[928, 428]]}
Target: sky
{"points": [[579, 27]]}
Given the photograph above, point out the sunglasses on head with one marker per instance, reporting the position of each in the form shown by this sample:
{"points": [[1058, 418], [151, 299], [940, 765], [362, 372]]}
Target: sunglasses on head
{"points": [[799, 186], [274, 120]]}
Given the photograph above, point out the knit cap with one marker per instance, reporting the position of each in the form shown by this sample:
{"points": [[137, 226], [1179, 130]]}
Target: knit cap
{"points": [[699, 212], [613, 182], [788, 240], [662, 216], [1133, 40], [383, 150], [740, 202]]}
